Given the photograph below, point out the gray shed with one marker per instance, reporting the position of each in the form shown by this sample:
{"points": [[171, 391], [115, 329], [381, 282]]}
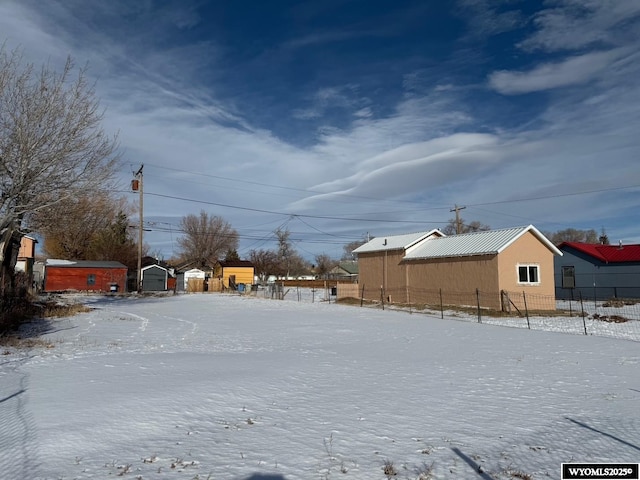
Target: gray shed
{"points": [[154, 278]]}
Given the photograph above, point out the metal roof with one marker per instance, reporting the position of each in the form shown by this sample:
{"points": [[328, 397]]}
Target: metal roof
{"points": [[476, 243], [83, 264], [395, 242], [606, 253]]}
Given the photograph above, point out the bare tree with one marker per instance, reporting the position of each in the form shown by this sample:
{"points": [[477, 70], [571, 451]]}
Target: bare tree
{"points": [[324, 264], [475, 226], [206, 238], [265, 262], [350, 247], [52, 146], [573, 235], [285, 251]]}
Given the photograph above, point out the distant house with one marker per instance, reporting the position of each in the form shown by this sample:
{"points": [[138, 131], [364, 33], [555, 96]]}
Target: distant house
{"points": [[345, 272], [26, 256], [491, 262], [68, 275], [235, 274], [596, 271]]}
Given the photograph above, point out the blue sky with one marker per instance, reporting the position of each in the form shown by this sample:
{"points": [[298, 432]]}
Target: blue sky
{"points": [[338, 119]]}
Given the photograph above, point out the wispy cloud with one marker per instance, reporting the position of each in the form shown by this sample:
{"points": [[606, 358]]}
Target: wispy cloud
{"points": [[572, 71], [410, 130], [576, 24]]}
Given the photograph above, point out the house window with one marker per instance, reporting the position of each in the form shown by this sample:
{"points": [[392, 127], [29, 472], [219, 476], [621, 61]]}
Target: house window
{"points": [[568, 277], [91, 279], [528, 274]]}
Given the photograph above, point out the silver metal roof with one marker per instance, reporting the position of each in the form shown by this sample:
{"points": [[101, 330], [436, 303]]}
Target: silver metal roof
{"points": [[395, 242], [475, 243], [53, 262]]}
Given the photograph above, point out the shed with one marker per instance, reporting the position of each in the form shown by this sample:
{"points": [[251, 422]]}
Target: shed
{"points": [[234, 273], [194, 280], [154, 278], [493, 262], [80, 275], [596, 271]]}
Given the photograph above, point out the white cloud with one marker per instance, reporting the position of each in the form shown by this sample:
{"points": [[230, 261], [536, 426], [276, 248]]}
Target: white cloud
{"points": [[572, 71], [576, 24]]}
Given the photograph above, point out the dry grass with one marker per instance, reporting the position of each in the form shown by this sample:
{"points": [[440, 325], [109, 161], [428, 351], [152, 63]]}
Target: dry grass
{"points": [[56, 310], [16, 342], [609, 318], [619, 302], [17, 312]]}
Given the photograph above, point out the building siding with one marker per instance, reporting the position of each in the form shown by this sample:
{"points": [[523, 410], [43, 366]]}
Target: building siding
{"points": [[381, 270], [243, 275], [595, 279], [58, 279], [458, 278]]}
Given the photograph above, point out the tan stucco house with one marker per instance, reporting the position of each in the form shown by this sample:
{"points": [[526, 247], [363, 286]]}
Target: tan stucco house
{"points": [[479, 267], [380, 265]]}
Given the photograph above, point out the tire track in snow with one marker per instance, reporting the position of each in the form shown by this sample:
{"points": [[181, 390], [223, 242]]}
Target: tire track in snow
{"points": [[146, 322], [18, 438]]}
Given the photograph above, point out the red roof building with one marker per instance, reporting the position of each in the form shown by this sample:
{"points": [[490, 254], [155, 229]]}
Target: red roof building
{"points": [[595, 271], [84, 276], [607, 253]]}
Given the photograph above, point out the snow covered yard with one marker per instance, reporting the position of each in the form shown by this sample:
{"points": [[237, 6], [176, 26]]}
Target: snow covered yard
{"points": [[229, 387]]}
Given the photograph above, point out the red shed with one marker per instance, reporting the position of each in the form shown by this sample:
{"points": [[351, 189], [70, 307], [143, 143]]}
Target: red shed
{"points": [[64, 275]]}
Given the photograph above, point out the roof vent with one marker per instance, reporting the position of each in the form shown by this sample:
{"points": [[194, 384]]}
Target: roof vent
{"points": [[385, 242], [620, 245]]}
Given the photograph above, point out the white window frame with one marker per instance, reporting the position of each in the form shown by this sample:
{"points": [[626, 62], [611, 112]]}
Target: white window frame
{"points": [[528, 266]]}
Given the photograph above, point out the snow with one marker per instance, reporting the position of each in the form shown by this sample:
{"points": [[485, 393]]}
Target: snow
{"points": [[56, 262], [233, 387]]}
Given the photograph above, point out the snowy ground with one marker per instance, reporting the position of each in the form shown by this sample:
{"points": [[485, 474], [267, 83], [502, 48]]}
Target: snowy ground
{"points": [[228, 387]]}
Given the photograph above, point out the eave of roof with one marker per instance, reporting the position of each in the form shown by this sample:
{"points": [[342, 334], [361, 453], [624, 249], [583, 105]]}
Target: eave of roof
{"points": [[396, 242], [237, 263]]}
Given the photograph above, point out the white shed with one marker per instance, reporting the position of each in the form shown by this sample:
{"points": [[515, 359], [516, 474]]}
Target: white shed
{"points": [[194, 273]]}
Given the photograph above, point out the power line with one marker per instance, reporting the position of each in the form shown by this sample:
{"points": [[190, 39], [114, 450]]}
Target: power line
{"points": [[271, 212], [302, 190]]}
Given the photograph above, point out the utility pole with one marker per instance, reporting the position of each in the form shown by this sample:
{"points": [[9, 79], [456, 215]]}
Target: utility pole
{"points": [[138, 175], [457, 209]]}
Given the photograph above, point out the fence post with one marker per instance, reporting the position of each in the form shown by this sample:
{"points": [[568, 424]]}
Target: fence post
{"points": [[441, 305], [584, 323], [478, 300], [382, 297], [526, 310], [362, 296]]}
